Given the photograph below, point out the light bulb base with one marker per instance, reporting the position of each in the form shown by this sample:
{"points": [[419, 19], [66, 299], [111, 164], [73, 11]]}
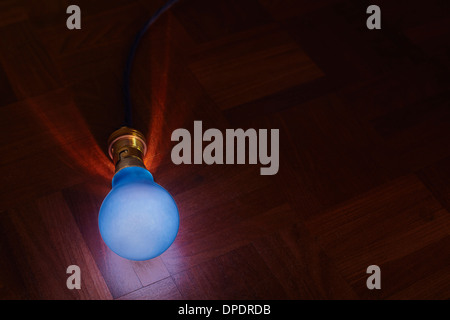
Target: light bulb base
{"points": [[127, 148]]}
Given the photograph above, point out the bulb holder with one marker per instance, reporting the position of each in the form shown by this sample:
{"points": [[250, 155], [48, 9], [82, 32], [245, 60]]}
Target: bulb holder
{"points": [[127, 148]]}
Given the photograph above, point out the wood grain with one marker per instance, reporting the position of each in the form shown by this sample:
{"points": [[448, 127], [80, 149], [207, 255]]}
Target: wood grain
{"points": [[50, 243], [364, 128], [375, 219], [248, 69], [161, 290]]}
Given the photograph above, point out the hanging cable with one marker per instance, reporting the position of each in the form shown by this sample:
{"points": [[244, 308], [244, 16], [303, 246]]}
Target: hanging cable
{"points": [[129, 65]]}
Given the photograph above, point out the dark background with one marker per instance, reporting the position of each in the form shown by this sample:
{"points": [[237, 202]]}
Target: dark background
{"points": [[364, 126]]}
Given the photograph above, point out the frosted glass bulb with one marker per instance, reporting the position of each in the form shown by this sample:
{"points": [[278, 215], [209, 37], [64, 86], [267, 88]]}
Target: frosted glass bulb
{"points": [[138, 219]]}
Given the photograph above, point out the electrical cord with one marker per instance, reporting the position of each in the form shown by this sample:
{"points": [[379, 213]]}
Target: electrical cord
{"points": [[129, 65]]}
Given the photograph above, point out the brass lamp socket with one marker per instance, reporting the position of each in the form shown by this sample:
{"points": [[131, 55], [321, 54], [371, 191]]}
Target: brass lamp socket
{"points": [[127, 148]]}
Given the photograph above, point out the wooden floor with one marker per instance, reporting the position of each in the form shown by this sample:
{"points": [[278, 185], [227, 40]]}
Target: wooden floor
{"points": [[364, 120]]}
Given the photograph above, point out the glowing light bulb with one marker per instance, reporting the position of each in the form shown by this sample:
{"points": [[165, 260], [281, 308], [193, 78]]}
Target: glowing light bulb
{"points": [[138, 219]]}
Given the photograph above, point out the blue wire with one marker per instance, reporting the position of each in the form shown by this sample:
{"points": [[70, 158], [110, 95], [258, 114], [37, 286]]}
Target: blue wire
{"points": [[129, 65]]}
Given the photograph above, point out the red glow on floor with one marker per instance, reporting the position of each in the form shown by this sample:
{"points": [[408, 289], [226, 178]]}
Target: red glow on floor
{"points": [[160, 84], [71, 132]]}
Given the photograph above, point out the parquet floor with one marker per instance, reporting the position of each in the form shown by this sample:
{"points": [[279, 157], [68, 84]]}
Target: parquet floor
{"points": [[364, 120]]}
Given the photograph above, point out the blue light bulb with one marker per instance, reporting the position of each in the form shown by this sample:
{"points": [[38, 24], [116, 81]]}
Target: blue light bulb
{"points": [[138, 219]]}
